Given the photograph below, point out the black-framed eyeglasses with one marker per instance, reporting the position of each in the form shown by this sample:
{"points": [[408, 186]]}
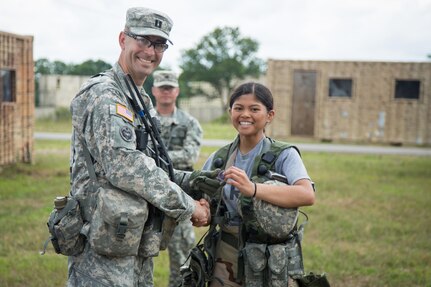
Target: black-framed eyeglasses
{"points": [[158, 47]]}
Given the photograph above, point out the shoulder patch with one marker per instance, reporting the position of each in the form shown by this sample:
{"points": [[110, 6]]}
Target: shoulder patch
{"points": [[124, 112]]}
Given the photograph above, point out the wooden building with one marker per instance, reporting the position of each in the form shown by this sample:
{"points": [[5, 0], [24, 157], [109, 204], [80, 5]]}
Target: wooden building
{"points": [[16, 98], [381, 102]]}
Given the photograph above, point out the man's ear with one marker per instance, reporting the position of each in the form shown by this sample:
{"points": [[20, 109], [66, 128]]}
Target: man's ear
{"points": [[122, 40]]}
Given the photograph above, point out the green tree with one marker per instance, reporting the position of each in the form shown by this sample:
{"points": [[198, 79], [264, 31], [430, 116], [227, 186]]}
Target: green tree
{"points": [[60, 68], [222, 58], [42, 66], [90, 67]]}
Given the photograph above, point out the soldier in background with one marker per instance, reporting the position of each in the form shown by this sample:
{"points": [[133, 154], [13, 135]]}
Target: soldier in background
{"points": [[182, 135]]}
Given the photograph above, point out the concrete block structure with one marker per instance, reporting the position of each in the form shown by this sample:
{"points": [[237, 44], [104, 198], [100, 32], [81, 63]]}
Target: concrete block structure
{"points": [[354, 101], [58, 90]]}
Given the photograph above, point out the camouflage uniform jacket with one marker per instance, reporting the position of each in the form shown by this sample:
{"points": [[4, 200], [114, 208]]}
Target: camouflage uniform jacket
{"points": [[103, 119], [182, 135]]}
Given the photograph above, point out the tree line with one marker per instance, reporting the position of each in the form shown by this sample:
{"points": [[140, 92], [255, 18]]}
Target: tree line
{"points": [[90, 67], [221, 59]]}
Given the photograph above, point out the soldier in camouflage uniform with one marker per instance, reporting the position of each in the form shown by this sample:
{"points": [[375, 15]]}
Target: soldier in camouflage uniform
{"points": [[251, 109], [182, 135], [104, 123]]}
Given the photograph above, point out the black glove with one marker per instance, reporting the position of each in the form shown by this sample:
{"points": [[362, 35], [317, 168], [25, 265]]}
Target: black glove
{"points": [[201, 182]]}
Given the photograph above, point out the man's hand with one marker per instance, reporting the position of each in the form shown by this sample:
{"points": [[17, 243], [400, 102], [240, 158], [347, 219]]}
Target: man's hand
{"points": [[202, 215], [205, 182]]}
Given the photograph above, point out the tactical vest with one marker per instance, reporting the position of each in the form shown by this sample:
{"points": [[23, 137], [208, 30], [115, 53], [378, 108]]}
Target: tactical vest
{"points": [[174, 135], [254, 228]]}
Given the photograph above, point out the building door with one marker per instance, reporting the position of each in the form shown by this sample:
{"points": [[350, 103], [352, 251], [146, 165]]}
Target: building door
{"points": [[303, 103]]}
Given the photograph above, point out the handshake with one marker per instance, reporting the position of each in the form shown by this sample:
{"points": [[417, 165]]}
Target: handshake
{"points": [[209, 183]]}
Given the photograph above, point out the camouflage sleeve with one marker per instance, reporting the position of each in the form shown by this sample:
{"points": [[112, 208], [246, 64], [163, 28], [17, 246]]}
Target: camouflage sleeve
{"points": [[189, 154], [112, 142]]}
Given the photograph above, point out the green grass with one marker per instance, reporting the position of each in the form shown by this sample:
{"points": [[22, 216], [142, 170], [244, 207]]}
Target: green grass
{"points": [[369, 226], [60, 124], [63, 125], [218, 131]]}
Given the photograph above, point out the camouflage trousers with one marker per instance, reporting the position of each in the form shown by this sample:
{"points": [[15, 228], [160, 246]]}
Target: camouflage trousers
{"points": [[89, 269], [182, 241]]}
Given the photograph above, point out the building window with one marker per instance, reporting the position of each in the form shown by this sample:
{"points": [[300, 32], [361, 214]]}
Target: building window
{"points": [[7, 85], [340, 88], [407, 89]]}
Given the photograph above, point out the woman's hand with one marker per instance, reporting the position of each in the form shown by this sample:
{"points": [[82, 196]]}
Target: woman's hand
{"points": [[301, 193], [239, 179]]}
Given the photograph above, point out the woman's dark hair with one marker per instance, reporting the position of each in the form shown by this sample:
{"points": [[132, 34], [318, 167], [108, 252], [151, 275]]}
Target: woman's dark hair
{"points": [[262, 93]]}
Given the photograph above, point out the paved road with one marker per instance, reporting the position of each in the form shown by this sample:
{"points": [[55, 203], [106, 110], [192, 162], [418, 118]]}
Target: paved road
{"points": [[313, 147]]}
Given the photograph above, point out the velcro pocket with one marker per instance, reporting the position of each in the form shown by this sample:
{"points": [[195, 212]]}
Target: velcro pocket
{"points": [[277, 264], [277, 258], [70, 223], [179, 132], [117, 224], [150, 243], [254, 264], [168, 229], [295, 264], [66, 229], [256, 257]]}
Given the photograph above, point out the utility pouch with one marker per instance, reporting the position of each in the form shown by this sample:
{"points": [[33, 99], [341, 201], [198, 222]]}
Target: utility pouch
{"points": [[117, 223], [65, 224], [277, 271], [168, 228], [254, 264], [152, 236], [295, 265], [314, 280], [150, 243]]}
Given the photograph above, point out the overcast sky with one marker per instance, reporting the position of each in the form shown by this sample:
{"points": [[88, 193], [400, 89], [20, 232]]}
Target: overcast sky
{"points": [[73, 31]]}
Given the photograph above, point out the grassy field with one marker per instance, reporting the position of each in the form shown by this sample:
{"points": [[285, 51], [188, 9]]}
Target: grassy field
{"points": [[369, 226], [62, 125]]}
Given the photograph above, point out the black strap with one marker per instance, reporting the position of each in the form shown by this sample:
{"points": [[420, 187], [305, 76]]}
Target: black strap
{"points": [[90, 167], [122, 226], [151, 127]]}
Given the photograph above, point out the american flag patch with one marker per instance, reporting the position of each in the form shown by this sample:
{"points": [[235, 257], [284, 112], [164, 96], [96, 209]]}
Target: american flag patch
{"points": [[124, 112]]}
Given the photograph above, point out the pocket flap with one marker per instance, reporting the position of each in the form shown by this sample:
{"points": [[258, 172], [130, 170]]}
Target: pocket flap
{"points": [[256, 257], [277, 258], [114, 213]]}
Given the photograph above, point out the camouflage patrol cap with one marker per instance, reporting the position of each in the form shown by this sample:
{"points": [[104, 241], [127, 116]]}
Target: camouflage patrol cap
{"points": [[165, 78], [145, 21]]}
